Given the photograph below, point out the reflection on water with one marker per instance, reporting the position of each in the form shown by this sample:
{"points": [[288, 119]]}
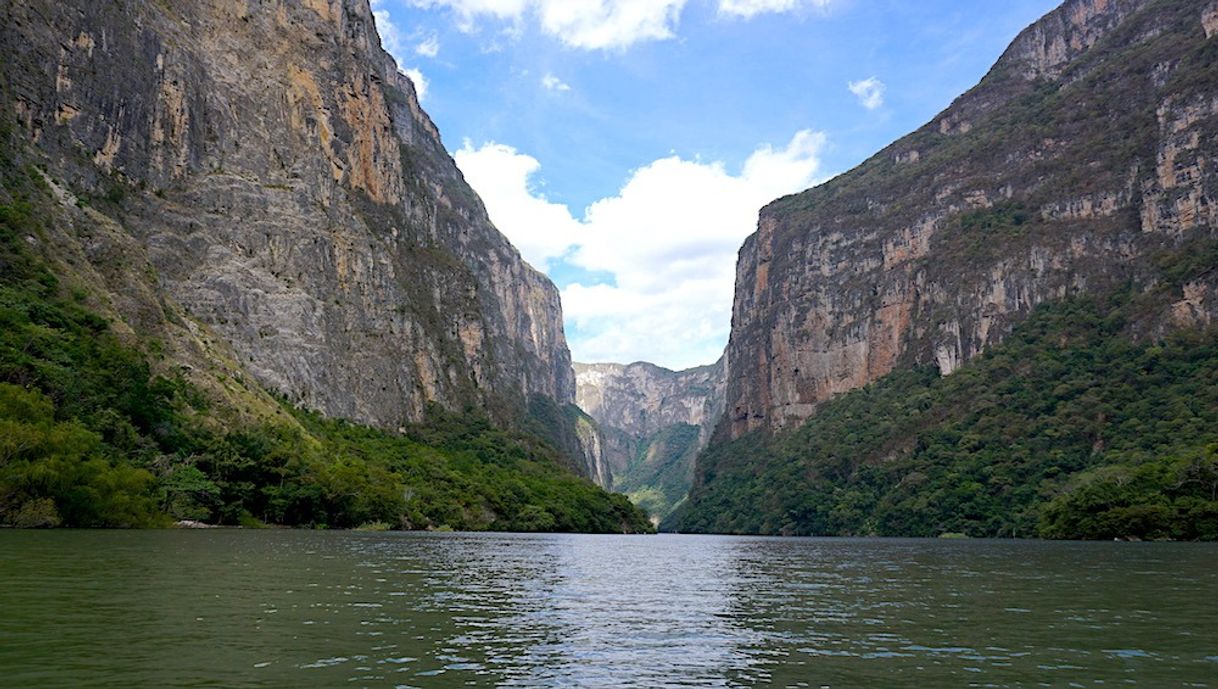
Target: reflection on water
{"points": [[290, 608]]}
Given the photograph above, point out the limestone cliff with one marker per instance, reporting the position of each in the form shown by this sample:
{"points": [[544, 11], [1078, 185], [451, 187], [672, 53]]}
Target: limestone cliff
{"points": [[1086, 153], [290, 194], [650, 424]]}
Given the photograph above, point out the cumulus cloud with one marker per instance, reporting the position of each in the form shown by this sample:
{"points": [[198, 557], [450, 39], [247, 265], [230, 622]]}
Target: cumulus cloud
{"points": [[751, 8], [552, 83], [503, 178], [392, 38], [870, 92], [668, 237], [601, 24], [586, 24], [395, 43], [428, 47], [470, 9], [597, 24], [420, 82]]}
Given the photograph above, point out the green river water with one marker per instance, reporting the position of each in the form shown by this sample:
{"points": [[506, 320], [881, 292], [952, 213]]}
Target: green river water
{"points": [[235, 608]]}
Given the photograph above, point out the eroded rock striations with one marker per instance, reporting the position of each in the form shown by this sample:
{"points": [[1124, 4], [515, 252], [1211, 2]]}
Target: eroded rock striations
{"points": [[650, 424], [1087, 152], [290, 194]]}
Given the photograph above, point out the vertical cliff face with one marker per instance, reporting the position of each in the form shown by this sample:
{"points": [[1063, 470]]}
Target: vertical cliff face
{"points": [[650, 424], [642, 399], [1086, 153], [291, 194]]}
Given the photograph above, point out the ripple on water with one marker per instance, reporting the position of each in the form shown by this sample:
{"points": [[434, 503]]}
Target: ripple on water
{"points": [[325, 662], [330, 609], [1129, 653]]}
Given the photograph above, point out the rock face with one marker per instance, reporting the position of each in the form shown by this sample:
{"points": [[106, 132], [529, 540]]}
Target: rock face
{"points": [[650, 424], [1088, 150], [291, 195], [641, 398]]}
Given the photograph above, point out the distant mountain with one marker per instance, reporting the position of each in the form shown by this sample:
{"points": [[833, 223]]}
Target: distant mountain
{"points": [[650, 423], [1082, 167]]}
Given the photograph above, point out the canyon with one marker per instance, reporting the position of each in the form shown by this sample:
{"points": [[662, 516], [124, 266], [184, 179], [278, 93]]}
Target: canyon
{"points": [[649, 425], [252, 197]]}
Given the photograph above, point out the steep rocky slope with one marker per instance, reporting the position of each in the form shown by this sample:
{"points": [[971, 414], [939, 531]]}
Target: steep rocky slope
{"points": [[1080, 170], [290, 195], [1084, 154], [215, 213], [1069, 428], [650, 423]]}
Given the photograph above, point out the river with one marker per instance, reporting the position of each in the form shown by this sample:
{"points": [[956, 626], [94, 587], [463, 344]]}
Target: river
{"points": [[236, 608]]}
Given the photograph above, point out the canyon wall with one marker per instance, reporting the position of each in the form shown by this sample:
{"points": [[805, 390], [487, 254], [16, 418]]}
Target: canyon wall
{"points": [[650, 424], [290, 194], [1086, 154]]}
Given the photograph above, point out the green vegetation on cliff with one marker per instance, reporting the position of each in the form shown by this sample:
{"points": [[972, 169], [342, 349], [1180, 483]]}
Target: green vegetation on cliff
{"points": [[90, 436], [658, 478], [1069, 429], [1080, 165]]}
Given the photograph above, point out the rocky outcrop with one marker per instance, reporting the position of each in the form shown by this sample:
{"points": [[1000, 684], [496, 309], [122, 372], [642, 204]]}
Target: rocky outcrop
{"points": [[650, 424], [290, 194], [1087, 154]]}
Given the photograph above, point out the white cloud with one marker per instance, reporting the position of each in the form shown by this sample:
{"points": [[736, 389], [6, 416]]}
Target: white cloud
{"points": [[586, 24], [395, 43], [870, 92], [501, 175], [751, 8], [429, 47], [669, 238], [392, 38], [598, 24], [553, 83], [419, 81], [470, 9]]}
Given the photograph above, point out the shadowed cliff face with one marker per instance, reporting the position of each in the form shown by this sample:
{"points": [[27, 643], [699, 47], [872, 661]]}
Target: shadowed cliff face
{"points": [[290, 194], [1087, 152]]}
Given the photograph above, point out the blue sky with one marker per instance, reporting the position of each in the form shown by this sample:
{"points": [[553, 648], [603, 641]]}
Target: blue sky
{"points": [[625, 146]]}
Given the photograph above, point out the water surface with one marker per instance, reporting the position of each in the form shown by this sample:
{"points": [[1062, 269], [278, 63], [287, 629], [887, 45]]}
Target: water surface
{"points": [[232, 608]]}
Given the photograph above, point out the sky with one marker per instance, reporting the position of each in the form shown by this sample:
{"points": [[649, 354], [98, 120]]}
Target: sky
{"points": [[626, 146]]}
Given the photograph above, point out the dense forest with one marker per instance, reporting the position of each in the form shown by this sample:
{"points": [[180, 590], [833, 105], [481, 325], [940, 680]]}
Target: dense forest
{"points": [[91, 436], [1069, 429]]}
